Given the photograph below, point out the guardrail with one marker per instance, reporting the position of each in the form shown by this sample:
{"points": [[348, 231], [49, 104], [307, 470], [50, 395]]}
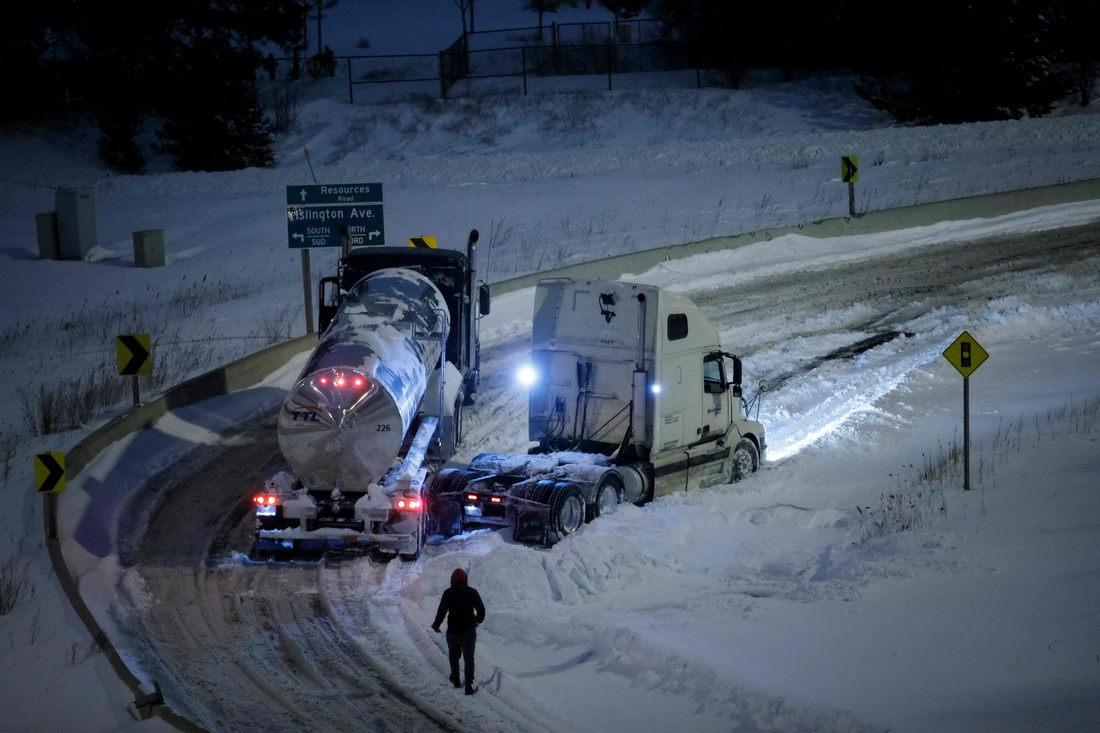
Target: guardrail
{"points": [[251, 369]]}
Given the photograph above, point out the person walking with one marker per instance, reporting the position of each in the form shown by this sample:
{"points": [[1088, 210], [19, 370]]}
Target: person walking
{"points": [[464, 610]]}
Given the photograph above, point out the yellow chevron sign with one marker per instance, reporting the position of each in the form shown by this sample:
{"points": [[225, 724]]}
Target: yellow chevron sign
{"points": [[135, 354], [422, 242], [49, 473], [849, 169]]}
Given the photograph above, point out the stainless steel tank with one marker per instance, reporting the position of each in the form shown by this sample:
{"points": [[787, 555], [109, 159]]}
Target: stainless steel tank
{"points": [[345, 419]]}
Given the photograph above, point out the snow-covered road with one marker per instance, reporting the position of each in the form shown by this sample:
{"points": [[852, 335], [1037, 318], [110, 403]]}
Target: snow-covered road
{"points": [[344, 644]]}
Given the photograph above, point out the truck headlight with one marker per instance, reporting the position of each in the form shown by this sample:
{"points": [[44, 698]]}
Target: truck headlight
{"points": [[526, 375]]}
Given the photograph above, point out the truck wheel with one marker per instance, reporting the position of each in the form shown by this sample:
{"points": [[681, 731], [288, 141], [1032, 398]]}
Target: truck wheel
{"points": [[745, 460], [445, 516], [608, 495], [566, 509]]}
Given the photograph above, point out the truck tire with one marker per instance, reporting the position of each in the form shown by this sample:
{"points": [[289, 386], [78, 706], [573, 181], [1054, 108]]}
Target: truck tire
{"points": [[745, 460], [445, 517], [609, 493], [566, 504]]}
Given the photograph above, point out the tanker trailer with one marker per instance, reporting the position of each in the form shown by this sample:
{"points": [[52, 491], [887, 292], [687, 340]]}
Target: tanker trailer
{"points": [[358, 425]]}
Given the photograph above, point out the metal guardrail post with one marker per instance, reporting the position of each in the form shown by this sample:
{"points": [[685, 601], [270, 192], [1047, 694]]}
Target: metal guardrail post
{"points": [[609, 66], [442, 77]]}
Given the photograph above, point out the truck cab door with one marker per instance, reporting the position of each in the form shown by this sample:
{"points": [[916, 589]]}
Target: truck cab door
{"points": [[715, 415]]}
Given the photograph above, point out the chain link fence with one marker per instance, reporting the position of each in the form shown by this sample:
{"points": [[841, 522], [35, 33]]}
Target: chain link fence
{"points": [[525, 55]]}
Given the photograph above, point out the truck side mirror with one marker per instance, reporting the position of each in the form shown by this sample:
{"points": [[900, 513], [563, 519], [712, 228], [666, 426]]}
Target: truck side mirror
{"points": [[328, 302], [483, 300]]}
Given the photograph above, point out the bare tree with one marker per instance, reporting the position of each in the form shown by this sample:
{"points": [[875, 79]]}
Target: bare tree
{"points": [[322, 6], [463, 6]]}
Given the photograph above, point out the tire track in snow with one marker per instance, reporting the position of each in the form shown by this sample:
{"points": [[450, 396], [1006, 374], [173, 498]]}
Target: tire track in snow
{"points": [[779, 321]]}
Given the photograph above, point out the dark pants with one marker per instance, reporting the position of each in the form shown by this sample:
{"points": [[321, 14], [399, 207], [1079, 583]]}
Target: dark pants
{"points": [[462, 645]]}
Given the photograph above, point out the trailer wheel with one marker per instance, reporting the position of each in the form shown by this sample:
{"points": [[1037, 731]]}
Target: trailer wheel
{"points": [[745, 460], [608, 495], [566, 509]]}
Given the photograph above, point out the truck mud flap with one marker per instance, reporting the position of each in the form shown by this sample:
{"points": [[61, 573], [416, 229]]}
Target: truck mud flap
{"points": [[530, 520], [445, 513]]}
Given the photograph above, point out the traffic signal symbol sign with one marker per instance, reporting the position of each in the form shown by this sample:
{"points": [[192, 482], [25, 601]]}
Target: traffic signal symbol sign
{"points": [[965, 354]]}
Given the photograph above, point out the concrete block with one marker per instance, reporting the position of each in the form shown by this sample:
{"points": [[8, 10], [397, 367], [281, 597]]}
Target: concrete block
{"points": [[76, 232], [149, 248], [46, 222]]}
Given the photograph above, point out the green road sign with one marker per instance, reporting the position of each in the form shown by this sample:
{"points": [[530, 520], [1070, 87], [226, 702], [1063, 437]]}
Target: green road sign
{"points": [[322, 215]]}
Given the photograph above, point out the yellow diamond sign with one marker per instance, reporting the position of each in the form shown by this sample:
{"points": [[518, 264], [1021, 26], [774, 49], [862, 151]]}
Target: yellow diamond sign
{"points": [[965, 354]]}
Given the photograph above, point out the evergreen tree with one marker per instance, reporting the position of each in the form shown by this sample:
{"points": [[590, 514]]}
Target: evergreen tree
{"points": [[625, 9], [986, 60], [1076, 23], [118, 145], [546, 6], [214, 121]]}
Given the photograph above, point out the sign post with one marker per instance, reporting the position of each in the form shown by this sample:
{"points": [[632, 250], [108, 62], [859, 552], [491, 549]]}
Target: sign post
{"points": [[966, 355], [341, 215], [849, 173], [49, 480]]}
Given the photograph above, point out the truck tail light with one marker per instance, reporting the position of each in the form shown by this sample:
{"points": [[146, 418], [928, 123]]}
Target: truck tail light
{"points": [[265, 505], [412, 505]]}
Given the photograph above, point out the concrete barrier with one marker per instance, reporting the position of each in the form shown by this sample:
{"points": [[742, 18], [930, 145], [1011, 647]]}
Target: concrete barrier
{"points": [[974, 207], [238, 375]]}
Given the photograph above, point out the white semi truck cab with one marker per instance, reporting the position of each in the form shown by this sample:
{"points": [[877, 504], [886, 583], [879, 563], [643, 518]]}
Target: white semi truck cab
{"points": [[632, 397]]}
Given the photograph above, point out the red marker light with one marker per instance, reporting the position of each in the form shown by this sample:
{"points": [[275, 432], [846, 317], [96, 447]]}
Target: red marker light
{"points": [[358, 382], [271, 500], [471, 497], [495, 500], [323, 380]]}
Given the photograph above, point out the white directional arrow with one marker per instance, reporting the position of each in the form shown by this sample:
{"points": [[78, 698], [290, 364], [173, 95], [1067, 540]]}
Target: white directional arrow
{"points": [[299, 236], [374, 234], [303, 194]]}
